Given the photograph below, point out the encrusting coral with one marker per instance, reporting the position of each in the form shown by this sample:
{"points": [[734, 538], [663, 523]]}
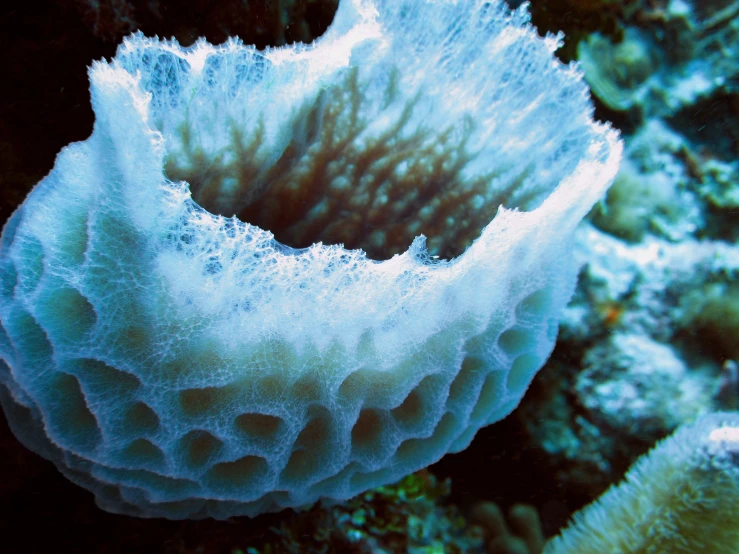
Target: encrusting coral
{"points": [[183, 364]]}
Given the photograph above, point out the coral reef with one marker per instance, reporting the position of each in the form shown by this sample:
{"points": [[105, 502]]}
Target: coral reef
{"points": [[635, 386], [673, 74], [646, 343], [651, 194], [667, 59], [408, 516], [637, 364]]}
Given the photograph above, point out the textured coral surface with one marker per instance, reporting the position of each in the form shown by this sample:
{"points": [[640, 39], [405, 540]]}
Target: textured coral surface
{"points": [[680, 498]]}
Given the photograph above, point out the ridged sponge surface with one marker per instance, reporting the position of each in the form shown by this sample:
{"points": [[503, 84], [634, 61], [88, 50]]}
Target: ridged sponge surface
{"points": [[180, 363]]}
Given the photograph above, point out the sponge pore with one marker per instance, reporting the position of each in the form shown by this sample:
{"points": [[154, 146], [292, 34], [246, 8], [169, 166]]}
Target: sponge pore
{"points": [[183, 364]]}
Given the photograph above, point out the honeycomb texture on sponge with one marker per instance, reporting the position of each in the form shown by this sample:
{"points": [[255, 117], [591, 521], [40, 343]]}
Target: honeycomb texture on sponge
{"points": [[182, 364]]}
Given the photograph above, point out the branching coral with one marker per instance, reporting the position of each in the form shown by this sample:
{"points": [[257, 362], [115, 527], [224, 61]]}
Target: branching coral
{"points": [[521, 534]]}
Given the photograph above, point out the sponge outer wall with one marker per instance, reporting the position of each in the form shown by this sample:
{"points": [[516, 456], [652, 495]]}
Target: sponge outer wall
{"points": [[183, 364]]}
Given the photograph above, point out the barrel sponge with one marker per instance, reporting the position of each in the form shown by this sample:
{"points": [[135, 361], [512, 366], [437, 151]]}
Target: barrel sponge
{"points": [[183, 363]]}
